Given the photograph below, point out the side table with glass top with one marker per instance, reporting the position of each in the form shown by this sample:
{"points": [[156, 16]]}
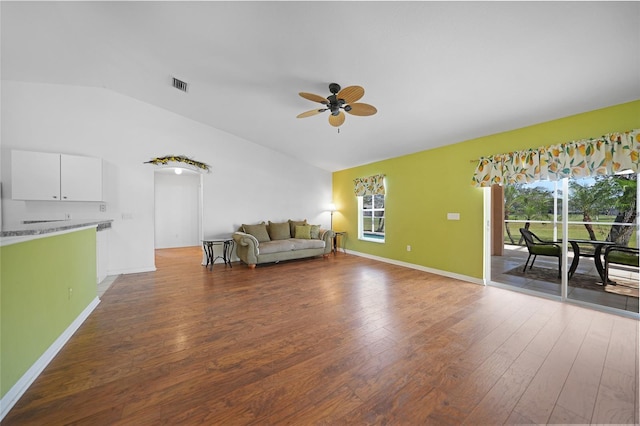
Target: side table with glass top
{"points": [[208, 248]]}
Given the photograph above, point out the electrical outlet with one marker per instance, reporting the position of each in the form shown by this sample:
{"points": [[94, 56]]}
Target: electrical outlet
{"points": [[103, 208], [70, 292], [408, 248]]}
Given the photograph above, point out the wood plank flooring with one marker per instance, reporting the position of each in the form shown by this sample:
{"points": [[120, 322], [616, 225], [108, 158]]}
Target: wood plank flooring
{"points": [[344, 340]]}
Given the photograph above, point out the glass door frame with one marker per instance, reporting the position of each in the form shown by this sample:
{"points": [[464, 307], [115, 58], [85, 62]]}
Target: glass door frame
{"points": [[564, 223]]}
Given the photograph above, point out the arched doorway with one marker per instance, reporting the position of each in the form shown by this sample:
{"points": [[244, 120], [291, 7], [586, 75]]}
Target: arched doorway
{"points": [[178, 208]]}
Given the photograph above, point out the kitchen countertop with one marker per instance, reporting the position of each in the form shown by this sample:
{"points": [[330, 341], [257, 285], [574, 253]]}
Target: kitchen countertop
{"points": [[44, 227]]}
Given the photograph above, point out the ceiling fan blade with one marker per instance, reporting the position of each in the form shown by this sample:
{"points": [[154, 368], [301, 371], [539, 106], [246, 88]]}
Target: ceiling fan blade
{"points": [[362, 109], [310, 113], [337, 120], [351, 94], [314, 98]]}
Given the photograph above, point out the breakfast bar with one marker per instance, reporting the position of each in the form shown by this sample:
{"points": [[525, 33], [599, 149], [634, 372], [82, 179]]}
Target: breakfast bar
{"points": [[48, 289]]}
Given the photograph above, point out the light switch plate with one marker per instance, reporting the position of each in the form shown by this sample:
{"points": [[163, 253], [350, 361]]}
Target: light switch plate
{"points": [[453, 216]]}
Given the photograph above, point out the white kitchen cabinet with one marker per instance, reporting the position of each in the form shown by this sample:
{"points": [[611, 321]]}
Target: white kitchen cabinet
{"points": [[35, 176], [47, 176], [80, 178]]}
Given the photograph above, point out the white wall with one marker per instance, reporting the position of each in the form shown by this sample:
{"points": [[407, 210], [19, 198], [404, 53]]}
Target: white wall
{"points": [[177, 209], [247, 183]]}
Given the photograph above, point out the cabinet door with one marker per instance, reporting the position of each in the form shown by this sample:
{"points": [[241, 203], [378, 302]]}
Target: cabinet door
{"points": [[35, 176], [80, 178]]}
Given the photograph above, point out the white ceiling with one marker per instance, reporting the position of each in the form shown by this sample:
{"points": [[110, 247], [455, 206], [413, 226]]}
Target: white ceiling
{"points": [[438, 72]]}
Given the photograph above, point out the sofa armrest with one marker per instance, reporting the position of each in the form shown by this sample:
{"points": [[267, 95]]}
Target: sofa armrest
{"points": [[327, 236], [246, 240], [246, 247]]}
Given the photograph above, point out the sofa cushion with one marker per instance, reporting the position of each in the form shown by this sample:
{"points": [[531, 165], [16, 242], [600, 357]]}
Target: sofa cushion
{"points": [[294, 223], [299, 244], [279, 231], [258, 231], [276, 246], [315, 232], [303, 231]]}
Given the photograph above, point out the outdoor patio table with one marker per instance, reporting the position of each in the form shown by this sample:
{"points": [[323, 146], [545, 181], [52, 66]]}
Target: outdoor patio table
{"points": [[597, 259]]}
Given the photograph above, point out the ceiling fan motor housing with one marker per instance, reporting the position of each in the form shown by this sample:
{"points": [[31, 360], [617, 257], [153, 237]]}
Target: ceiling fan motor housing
{"points": [[335, 104]]}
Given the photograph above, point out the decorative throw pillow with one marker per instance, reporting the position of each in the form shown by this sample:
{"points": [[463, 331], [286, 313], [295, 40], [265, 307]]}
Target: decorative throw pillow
{"points": [[315, 232], [258, 231], [303, 232], [294, 223], [279, 231]]}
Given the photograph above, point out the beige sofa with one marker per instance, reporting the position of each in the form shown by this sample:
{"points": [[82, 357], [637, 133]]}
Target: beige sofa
{"points": [[273, 242]]}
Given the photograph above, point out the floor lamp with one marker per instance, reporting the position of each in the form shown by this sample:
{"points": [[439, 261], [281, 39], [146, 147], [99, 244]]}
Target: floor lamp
{"points": [[332, 208]]}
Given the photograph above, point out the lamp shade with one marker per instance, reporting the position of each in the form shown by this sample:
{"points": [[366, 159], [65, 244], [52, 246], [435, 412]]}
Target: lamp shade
{"points": [[332, 207]]}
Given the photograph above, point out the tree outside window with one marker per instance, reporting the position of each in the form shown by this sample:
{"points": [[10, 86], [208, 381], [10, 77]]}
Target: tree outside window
{"points": [[603, 208]]}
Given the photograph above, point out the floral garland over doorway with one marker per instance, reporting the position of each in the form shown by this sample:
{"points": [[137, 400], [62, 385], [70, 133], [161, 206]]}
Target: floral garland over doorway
{"points": [[163, 161]]}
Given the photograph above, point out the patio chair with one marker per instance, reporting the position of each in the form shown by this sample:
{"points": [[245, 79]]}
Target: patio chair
{"points": [[619, 255], [538, 247]]}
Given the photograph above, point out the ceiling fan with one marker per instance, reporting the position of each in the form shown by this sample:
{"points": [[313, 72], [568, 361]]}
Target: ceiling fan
{"points": [[340, 99]]}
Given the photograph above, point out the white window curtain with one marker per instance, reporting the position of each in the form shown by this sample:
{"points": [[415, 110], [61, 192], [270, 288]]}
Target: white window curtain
{"points": [[370, 185], [605, 155]]}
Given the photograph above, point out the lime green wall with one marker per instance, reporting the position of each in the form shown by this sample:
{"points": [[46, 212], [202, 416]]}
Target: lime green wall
{"points": [[423, 187], [36, 306]]}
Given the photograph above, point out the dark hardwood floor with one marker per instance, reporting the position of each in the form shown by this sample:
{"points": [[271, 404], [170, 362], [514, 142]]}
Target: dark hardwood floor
{"points": [[344, 340]]}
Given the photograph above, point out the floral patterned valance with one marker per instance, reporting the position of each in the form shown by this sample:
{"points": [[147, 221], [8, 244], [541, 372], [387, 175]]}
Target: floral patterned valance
{"points": [[370, 185], [605, 155]]}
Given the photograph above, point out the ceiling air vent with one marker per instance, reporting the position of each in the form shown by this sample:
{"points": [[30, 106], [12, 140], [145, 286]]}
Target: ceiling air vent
{"points": [[179, 84]]}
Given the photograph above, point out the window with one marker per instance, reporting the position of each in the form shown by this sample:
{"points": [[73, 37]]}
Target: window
{"points": [[371, 218]]}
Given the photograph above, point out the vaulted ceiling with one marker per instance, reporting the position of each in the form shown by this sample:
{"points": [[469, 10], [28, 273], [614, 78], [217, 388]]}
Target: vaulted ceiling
{"points": [[438, 72]]}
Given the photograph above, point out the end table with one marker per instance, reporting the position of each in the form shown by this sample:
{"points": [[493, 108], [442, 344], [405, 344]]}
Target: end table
{"points": [[342, 235], [227, 248]]}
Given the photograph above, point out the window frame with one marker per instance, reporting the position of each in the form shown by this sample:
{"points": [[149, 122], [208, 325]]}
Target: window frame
{"points": [[373, 210]]}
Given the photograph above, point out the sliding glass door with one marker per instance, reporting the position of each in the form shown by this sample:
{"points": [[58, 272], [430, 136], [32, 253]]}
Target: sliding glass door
{"points": [[603, 215], [555, 236], [531, 232]]}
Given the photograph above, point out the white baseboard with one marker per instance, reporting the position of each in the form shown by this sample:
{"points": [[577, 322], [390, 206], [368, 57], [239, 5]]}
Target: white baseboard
{"points": [[421, 268], [131, 271], [13, 395]]}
